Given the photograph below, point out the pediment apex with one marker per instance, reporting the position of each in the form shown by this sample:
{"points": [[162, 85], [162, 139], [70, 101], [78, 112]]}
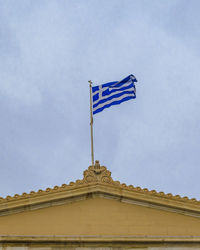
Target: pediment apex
{"points": [[97, 173]]}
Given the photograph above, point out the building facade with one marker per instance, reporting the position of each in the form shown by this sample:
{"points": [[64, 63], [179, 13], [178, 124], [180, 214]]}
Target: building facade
{"points": [[101, 214]]}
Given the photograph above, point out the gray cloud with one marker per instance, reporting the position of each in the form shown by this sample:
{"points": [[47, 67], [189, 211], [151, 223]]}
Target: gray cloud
{"points": [[50, 49]]}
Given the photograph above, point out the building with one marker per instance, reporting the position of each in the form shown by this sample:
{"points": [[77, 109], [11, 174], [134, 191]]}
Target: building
{"points": [[99, 213]]}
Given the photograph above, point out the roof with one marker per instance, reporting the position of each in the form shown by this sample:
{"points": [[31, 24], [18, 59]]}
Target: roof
{"points": [[97, 180]]}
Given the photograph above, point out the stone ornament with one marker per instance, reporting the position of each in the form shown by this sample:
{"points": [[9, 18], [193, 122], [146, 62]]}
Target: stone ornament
{"points": [[97, 173]]}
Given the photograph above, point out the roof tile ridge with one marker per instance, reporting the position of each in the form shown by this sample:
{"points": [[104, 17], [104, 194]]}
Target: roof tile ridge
{"points": [[159, 193]]}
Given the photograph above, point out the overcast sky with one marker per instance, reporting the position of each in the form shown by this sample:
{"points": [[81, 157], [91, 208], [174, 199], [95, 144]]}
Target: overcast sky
{"points": [[48, 52]]}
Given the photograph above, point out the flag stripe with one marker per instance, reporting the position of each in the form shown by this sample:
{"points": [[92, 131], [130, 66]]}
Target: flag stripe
{"points": [[110, 90], [117, 98], [116, 84], [126, 80], [110, 97], [113, 102]]}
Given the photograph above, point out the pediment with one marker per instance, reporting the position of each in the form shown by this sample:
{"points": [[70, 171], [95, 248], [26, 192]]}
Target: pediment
{"points": [[99, 206], [99, 216]]}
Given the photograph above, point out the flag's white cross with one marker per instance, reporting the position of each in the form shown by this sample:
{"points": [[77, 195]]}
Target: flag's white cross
{"points": [[100, 91]]}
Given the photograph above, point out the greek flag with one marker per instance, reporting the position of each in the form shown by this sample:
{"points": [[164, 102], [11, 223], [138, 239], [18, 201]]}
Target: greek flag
{"points": [[113, 93]]}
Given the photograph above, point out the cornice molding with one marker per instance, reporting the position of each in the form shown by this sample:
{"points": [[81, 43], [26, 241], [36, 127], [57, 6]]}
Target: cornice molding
{"points": [[97, 180], [96, 239]]}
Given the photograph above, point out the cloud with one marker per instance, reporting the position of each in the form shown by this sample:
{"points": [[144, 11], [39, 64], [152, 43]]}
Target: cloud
{"points": [[50, 49]]}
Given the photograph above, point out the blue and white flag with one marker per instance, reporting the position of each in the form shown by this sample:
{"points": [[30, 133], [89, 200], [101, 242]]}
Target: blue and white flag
{"points": [[113, 93]]}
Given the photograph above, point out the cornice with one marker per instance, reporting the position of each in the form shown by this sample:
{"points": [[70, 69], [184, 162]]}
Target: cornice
{"points": [[97, 181], [96, 239]]}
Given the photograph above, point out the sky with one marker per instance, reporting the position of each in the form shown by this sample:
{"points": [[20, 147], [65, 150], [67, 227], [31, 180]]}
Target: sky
{"points": [[50, 49]]}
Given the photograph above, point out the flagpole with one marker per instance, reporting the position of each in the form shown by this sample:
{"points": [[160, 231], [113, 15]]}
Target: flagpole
{"points": [[91, 124]]}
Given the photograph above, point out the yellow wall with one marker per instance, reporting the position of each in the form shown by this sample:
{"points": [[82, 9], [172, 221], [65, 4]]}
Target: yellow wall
{"points": [[99, 216]]}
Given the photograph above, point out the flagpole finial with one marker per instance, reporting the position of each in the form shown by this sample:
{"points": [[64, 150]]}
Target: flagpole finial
{"points": [[97, 165]]}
